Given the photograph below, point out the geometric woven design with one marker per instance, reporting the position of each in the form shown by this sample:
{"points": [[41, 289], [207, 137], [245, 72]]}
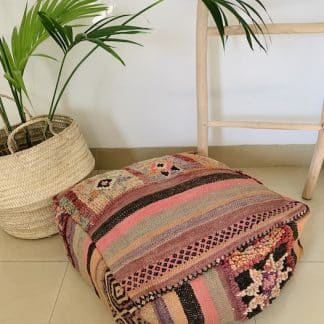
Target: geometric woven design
{"points": [[122, 307], [191, 251], [150, 235]]}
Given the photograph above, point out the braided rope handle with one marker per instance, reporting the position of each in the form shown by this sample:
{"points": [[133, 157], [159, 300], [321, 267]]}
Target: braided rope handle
{"points": [[11, 142]]}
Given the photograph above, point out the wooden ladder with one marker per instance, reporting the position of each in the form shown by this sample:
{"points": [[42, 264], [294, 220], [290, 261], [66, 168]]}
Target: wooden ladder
{"points": [[203, 34]]}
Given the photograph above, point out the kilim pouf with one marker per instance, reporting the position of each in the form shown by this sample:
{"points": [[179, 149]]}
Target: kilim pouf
{"points": [[181, 239]]}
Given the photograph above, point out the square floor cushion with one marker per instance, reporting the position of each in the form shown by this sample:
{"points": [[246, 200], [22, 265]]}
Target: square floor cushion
{"points": [[181, 239]]}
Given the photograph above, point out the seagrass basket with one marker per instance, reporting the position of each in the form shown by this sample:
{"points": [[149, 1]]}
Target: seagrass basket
{"points": [[38, 160]]}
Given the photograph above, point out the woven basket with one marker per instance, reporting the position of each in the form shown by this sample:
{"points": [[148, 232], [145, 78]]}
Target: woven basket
{"points": [[31, 177]]}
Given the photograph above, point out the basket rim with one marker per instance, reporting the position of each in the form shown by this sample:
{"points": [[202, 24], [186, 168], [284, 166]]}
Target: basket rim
{"points": [[46, 142], [46, 169]]}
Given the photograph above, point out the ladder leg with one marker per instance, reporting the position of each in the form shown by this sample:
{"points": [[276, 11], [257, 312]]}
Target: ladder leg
{"points": [[202, 76], [315, 168]]}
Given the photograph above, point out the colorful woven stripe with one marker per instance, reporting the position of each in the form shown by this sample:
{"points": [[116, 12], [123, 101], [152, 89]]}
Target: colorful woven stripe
{"points": [[164, 226], [249, 280]]}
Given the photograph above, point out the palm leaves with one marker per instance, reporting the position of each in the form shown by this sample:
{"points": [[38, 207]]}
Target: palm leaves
{"points": [[64, 37], [242, 11], [55, 17], [30, 34], [103, 34]]}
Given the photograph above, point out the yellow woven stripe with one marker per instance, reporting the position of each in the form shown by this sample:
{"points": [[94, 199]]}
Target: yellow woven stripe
{"points": [[148, 313], [175, 308]]}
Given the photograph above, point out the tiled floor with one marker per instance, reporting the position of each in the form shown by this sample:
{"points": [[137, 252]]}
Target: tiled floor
{"points": [[38, 286]]}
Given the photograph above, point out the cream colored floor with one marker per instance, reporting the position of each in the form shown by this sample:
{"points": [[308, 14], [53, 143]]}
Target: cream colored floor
{"points": [[38, 286]]}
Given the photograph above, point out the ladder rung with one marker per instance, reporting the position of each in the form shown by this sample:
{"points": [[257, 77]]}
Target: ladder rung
{"points": [[266, 125], [293, 28]]}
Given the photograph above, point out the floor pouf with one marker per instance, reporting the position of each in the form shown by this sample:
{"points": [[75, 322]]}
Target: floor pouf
{"points": [[181, 239]]}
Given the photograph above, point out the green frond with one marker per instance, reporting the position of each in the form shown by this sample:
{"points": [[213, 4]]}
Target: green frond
{"points": [[245, 14], [100, 33], [31, 32]]}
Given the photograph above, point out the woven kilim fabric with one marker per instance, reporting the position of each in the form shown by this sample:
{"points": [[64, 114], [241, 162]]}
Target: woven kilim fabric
{"points": [[181, 239]]}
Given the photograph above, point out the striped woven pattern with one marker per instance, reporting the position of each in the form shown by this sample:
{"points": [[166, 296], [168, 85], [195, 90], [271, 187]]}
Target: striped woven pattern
{"points": [[180, 231]]}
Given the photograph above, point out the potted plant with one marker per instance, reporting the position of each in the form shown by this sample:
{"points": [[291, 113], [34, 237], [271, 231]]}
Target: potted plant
{"points": [[45, 155]]}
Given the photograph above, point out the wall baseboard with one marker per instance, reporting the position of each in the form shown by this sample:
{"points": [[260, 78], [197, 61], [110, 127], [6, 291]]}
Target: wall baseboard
{"points": [[234, 156]]}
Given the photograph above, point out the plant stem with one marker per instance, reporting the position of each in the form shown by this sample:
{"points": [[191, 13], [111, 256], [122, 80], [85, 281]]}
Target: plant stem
{"points": [[22, 105], [7, 69], [28, 140], [57, 85], [4, 116], [18, 103], [68, 81]]}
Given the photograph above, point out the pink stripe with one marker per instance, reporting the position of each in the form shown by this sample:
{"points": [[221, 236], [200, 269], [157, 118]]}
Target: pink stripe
{"points": [[205, 301], [86, 245], [160, 205]]}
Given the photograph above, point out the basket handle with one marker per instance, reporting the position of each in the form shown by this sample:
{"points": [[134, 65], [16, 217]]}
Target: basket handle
{"points": [[27, 112], [11, 142]]}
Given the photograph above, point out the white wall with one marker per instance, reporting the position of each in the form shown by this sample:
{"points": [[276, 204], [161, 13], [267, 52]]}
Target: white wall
{"points": [[151, 102]]}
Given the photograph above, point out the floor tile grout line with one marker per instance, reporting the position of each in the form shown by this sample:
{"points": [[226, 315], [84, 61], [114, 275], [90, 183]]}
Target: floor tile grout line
{"points": [[58, 293], [34, 261], [311, 262]]}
